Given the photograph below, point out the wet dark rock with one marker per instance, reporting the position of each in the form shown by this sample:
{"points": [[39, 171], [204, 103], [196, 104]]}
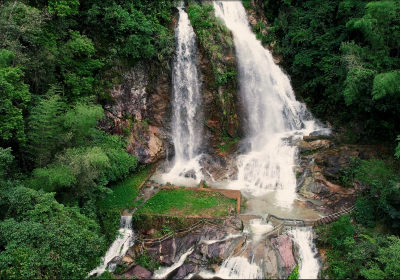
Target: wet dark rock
{"points": [[190, 174], [168, 250], [322, 132], [344, 203], [182, 271], [318, 173], [195, 258], [183, 244], [138, 272]]}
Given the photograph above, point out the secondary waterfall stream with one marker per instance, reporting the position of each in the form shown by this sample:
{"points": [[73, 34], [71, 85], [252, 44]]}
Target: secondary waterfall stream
{"points": [[118, 248], [309, 266], [186, 102]]}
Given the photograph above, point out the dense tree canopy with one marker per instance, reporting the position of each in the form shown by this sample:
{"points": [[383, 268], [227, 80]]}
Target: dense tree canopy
{"points": [[55, 162], [343, 57]]}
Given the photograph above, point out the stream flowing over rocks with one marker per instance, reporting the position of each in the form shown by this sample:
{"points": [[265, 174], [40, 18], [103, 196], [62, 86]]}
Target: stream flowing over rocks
{"points": [[218, 251]]}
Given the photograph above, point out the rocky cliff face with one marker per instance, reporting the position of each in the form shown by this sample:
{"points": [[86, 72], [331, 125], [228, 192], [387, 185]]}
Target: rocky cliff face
{"points": [[325, 171], [140, 110]]}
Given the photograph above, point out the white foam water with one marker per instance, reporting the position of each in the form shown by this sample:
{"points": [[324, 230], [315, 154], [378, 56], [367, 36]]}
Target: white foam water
{"points": [[304, 238], [273, 113], [163, 272], [119, 247], [235, 268], [257, 228], [186, 103]]}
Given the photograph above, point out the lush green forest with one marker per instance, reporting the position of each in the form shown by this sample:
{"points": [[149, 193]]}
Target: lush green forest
{"points": [[344, 61], [56, 67]]}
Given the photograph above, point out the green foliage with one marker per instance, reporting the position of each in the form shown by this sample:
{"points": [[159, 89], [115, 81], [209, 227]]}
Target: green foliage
{"points": [[247, 4], [45, 130], [54, 127], [343, 56], [188, 202], [6, 159], [105, 275], [341, 233], [382, 191], [216, 40], [134, 30], [64, 8], [118, 270], [397, 153], [122, 196], [348, 174], [54, 56], [215, 37], [375, 170], [347, 255], [78, 169], [295, 273], [147, 261], [14, 97], [44, 239], [124, 192], [167, 230], [387, 266], [77, 65], [227, 143], [366, 212]]}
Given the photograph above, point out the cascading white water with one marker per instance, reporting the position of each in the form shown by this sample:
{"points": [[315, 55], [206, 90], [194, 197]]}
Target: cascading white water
{"points": [[239, 268], [119, 247], [186, 102], [163, 272], [273, 114], [235, 268], [309, 265]]}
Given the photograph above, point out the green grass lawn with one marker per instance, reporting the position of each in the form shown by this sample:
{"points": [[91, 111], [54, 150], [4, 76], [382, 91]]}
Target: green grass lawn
{"points": [[123, 196], [177, 202], [124, 192]]}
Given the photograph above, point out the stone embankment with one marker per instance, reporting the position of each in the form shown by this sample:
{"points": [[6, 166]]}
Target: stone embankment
{"points": [[280, 223]]}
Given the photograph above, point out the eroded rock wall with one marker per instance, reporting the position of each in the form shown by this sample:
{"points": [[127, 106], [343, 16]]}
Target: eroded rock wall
{"points": [[325, 172], [140, 110]]}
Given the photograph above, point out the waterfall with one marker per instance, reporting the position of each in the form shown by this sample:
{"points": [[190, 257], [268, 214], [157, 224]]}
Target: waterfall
{"points": [[273, 114], [309, 265], [186, 103], [118, 248], [235, 268]]}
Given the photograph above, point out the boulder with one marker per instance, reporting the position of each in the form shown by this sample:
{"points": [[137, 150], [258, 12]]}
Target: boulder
{"points": [[313, 145], [304, 146], [270, 267], [182, 271], [127, 259], [320, 144], [151, 231], [138, 272], [283, 245], [167, 254]]}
